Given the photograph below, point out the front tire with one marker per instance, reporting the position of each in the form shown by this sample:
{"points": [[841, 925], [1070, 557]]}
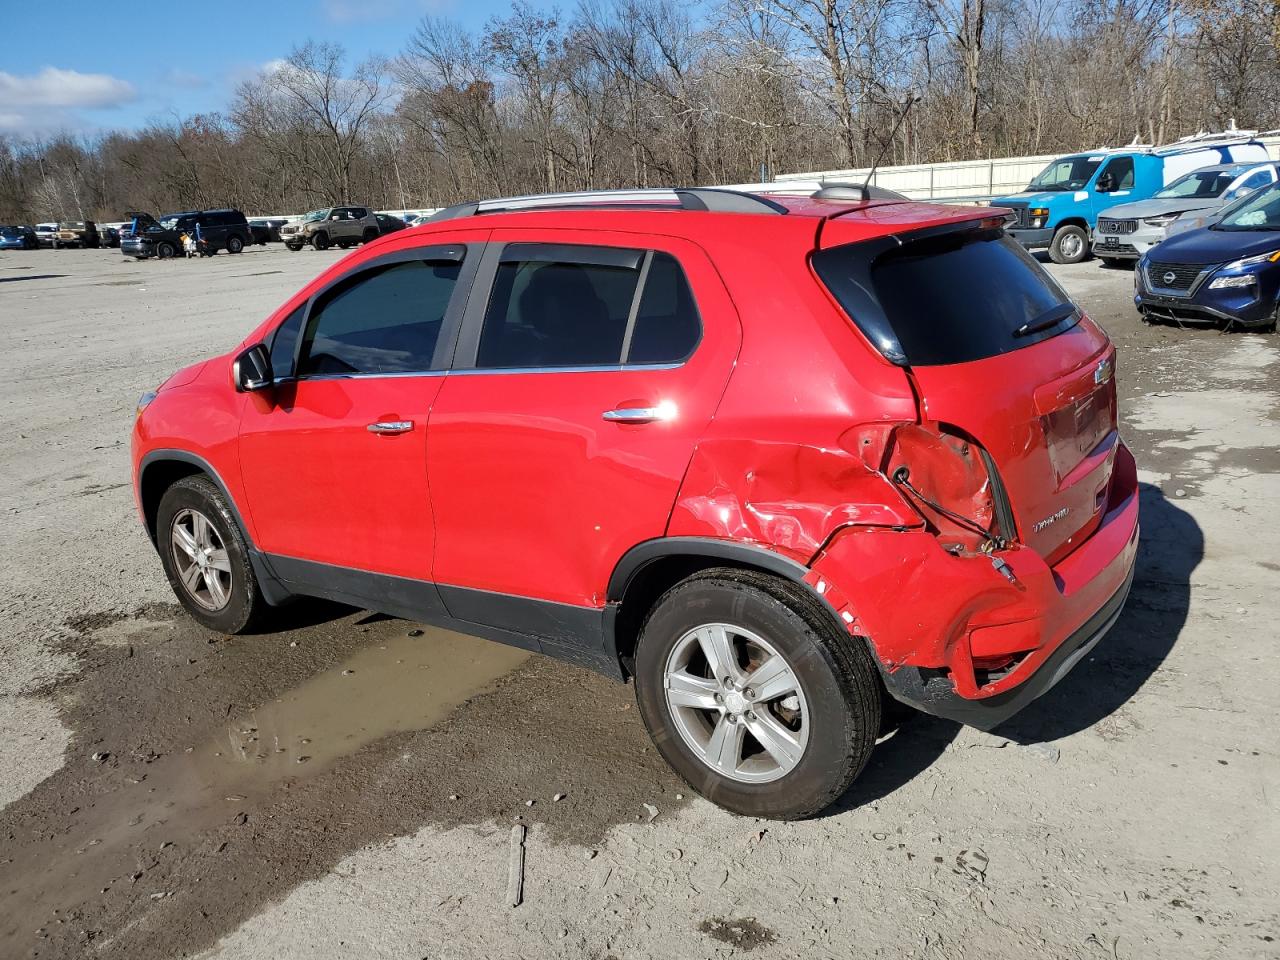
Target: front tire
{"points": [[1070, 244], [166, 250], [320, 241], [754, 695], [205, 556]]}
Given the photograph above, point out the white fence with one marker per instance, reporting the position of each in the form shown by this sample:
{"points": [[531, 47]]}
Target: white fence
{"points": [[966, 180]]}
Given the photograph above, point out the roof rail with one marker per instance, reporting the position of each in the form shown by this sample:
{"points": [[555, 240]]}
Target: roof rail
{"points": [[1199, 140], [711, 199]]}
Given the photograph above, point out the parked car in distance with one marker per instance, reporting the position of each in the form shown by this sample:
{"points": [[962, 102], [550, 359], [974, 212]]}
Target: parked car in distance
{"points": [[272, 224], [46, 234], [343, 226], [1227, 272], [766, 477], [18, 238], [110, 236], [219, 230], [78, 233], [259, 233], [1127, 231], [1060, 207], [388, 223]]}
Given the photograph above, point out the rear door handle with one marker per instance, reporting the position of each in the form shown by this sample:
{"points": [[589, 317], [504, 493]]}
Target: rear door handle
{"points": [[635, 415], [390, 426]]}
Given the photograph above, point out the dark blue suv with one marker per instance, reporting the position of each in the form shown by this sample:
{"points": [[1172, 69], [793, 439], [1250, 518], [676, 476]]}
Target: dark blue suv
{"points": [[1228, 272]]}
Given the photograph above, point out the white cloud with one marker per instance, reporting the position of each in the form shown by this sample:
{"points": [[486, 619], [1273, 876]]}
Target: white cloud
{"points": [[62, 89]]}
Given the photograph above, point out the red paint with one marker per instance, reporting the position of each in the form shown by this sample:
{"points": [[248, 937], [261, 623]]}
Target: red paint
{"points": [[787, 429]]}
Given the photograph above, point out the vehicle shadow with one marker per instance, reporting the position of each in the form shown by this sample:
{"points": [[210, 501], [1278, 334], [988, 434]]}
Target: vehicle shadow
{"points": [[1171, 548], [300, 613]]}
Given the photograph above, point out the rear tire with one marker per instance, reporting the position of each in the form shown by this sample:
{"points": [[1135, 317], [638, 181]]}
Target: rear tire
{"points": [[369, 235], [234, 244], [822, 716], [1070, 244], [205, 556]]}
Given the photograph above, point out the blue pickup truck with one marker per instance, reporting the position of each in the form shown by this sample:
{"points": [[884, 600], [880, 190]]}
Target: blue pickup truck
{"points": [[1060, 207]]}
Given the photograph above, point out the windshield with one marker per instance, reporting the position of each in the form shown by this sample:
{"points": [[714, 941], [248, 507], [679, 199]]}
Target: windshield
{"points": [[1202, 183], [10, 232], [1257, 211], [1069, 173], [316, 215]]}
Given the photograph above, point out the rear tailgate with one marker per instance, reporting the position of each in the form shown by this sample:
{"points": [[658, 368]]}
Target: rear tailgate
{"points": [[1046, 414], [998, 354]]}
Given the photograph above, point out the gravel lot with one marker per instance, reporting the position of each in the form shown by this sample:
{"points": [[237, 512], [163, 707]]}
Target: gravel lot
{"points": [[344, 787]]}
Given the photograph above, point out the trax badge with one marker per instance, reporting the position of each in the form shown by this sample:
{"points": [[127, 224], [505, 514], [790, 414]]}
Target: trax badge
{"points": [[1104, 372], [1052, 518]]}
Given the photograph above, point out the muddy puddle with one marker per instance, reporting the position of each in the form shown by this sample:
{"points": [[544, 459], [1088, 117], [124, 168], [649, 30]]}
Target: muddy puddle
{"points": [[397, 684]]}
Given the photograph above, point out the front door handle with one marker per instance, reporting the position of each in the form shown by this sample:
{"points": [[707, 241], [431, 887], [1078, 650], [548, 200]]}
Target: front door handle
{"points": [[390, 426], [636, 415]]}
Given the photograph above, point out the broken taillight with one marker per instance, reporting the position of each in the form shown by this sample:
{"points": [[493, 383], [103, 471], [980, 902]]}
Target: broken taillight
{"points": [[946, 478]]}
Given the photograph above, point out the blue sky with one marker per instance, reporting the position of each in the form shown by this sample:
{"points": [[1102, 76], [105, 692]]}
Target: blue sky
{"points": [[90, 65]]}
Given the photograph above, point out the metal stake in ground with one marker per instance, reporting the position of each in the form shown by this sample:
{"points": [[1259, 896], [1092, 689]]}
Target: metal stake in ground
{"points": [[515, 867]]}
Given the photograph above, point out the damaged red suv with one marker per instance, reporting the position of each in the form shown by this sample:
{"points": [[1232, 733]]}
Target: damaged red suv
{"points": [[770, 457]]}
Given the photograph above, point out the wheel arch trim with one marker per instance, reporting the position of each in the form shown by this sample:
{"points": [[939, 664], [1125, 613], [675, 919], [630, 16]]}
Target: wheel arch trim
{"points": [[643, 554], [273, 590]]}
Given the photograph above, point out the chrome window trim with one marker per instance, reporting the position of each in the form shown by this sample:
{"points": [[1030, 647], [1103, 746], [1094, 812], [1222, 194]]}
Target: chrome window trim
{"points": [[487, 371], [605, 368]]}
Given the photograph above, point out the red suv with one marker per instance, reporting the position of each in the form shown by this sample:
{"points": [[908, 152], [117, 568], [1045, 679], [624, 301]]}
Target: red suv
{"points": [[769, 457]]}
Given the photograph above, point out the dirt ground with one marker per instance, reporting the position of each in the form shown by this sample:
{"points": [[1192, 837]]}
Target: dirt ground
{"points": [[346, 785]]}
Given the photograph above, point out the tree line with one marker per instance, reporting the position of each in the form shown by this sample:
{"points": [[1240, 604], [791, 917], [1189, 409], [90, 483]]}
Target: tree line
{"points": [[626, 93]]}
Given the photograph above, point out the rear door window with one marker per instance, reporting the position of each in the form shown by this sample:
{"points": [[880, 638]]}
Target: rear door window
{"points": [[562, 306], [383, 320], [952, 297]]}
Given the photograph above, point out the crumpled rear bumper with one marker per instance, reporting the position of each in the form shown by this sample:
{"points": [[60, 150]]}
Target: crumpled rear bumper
{"points": [[934, 620]]}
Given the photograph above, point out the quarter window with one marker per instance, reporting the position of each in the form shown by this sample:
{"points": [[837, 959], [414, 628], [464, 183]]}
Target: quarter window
{"points": [[667, 327], [384, 320], [590, 312]]}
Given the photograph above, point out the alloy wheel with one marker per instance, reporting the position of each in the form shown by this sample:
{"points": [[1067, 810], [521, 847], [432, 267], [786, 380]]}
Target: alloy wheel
{"points": [[737, 703], [200, 559]]}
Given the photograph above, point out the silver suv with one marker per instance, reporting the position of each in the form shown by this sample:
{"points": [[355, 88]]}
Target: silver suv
{"points": [[344, 226]]}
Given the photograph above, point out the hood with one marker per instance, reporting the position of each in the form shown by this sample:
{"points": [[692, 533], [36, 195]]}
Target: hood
{"points": [[1208, 245], [1044, 198], [1154, 208]]}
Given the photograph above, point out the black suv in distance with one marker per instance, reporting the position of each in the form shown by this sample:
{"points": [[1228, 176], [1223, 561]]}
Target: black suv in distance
{"points": [[219, 230]]}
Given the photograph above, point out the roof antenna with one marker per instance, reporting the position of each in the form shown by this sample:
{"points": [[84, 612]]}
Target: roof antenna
{"points": [[912, 99]]}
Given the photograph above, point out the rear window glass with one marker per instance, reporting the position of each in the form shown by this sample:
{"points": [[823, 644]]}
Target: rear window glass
{"points": [[950, 298]]}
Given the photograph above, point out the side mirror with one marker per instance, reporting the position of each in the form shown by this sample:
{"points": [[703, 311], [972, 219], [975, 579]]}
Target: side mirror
{"points": [[252, 369]]}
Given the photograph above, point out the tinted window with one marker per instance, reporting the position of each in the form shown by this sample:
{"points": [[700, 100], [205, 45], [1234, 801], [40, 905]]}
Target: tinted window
{"points": [[550, 314], [285, 341], [385, 320], [948, 299], [667, 327]]}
